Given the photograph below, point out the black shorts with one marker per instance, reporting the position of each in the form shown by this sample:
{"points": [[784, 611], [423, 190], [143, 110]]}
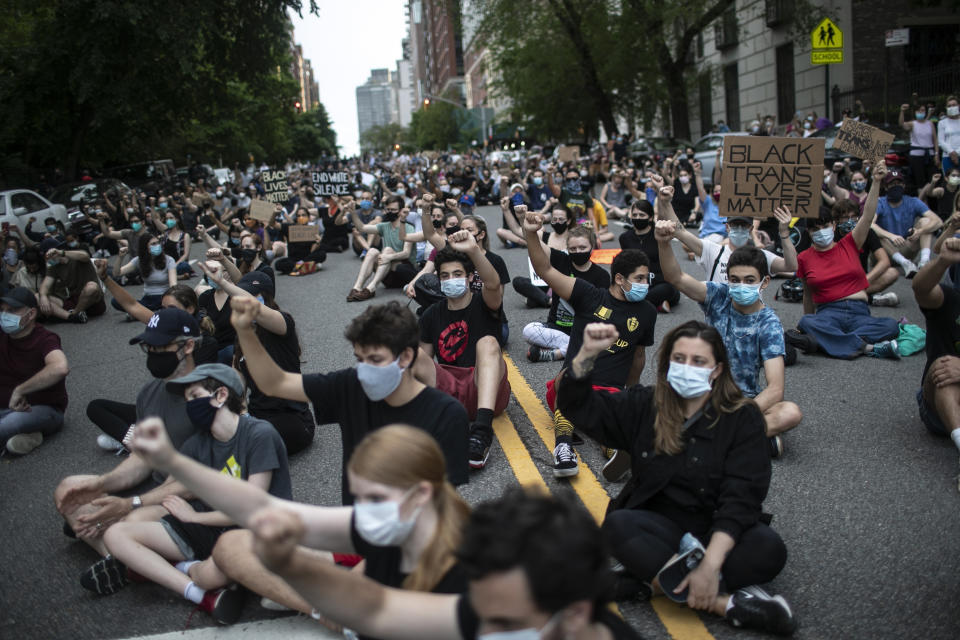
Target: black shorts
{"points": [[400, 277], [195, 541]]}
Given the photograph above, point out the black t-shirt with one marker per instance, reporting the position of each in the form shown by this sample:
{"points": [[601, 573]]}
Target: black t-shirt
{"points": [[331, 230], [578, 203], [561, 313], [944, 204], [337, 397], [285, 351], [496, 262], [943, 328], [224, 331], [634, 320], [647, 243], [469, 623], [684, 202], [268, 270], [454, 334], [871, 244]]}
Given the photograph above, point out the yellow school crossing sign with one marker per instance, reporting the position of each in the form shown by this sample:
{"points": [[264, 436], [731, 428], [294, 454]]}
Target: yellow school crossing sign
{"points": [[826, 43]]}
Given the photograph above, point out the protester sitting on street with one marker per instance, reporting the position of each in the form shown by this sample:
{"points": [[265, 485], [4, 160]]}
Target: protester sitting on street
{"points": [[562, 222], [751, 331], [70, 290], [428, 292], [90, 503], [463, 332], [12, 251], [380, 390], [614, 196], [939, 395], [215, 304], [229, 444], [33, 371], [394, 264], [176, 242], [406, 521], [157, 270], [369, 216], [663, 295], [905, 225], [509, 555], [837, 317], [129, 236], [251, 257], [336, 227], [857, 192], [622, 304], [700, 467], [52, 228], [882, 275], [510, 233], [549, 341]]}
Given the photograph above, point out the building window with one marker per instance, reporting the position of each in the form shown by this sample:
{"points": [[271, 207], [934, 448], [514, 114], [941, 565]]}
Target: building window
{"points": [[779, 12], [731, 87], [786, 93], [725, 29], [706, 104]]}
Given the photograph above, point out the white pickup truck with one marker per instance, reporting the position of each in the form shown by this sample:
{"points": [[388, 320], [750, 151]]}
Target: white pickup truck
{"points": [[17, 206]]}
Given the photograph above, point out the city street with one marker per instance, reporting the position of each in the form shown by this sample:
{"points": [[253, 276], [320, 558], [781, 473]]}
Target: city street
{"points": [[864, 498]]}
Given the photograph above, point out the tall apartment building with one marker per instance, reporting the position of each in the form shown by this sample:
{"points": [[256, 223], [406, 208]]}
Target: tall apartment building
{"points": [[376, 100], [404, 81], [436, 49], [309, 93]]}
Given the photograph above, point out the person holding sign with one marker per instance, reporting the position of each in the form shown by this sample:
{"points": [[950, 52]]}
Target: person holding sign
{"points": [[751, 331], [904, 223], [699, 467], [837, 318]]}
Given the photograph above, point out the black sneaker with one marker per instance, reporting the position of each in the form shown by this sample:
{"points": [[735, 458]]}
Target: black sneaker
{"points": [[800, 341], [776, 447], [225, 605], [78, 317], [754, 608], [789, 355], [627, 587], [565, 463], [106, 576], [617, 466], [478, 446]]}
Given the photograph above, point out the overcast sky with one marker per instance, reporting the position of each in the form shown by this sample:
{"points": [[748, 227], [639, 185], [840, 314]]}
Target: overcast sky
{"points": [[343, 43]]}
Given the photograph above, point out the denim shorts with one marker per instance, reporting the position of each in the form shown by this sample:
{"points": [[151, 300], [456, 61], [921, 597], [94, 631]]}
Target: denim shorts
{"points": [[929, 417]]}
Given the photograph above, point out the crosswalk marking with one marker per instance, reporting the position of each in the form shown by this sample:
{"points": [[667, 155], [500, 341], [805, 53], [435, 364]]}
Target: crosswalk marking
{"points": [[681, 622]]}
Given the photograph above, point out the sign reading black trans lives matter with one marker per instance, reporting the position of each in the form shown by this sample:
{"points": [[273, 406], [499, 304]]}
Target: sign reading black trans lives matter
{"points": [[762, 173], [331, 183]]}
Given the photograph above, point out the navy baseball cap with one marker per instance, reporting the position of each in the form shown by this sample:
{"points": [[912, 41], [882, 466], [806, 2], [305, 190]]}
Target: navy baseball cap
{"points": [[20, 297], [167, 325], [256, 283]]}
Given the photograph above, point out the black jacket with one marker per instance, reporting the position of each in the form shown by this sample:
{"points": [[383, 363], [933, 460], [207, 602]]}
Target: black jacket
{"points": [[721, 477]]}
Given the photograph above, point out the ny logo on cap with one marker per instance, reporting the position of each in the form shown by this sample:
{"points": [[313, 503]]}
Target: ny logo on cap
{"points": [[154, 321]]}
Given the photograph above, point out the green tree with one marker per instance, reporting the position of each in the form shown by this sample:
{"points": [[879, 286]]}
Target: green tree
{"points": [[435, 126], [313, 135], [382, 138]]}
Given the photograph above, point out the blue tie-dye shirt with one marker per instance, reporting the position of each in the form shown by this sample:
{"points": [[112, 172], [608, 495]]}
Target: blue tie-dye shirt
{"points": [[750, 339]]}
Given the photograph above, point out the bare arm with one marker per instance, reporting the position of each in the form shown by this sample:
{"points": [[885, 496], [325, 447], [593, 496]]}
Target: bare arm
{"points": [[788, 263], [561, 284], [672, 273], [869, 208], [54, 370], [773, 393]]}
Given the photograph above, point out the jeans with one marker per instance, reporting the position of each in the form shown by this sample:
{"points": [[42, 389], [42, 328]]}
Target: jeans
{"points": [[842, 328], [643, 541], [184, 268], [40, 418]]}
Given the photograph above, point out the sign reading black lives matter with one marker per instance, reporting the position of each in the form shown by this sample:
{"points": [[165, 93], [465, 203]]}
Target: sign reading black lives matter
{"points": [[331, 183], [275, 186], [762, 173]]}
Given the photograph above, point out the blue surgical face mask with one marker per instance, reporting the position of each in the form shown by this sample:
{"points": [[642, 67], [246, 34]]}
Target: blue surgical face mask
{"points": [[260, 299], [379, 382], [859, 185], [52, 263], [10, 257], [846, 227], [738, 236], [822, 237], [636, 292], [52, 228], [521, 634], [162, 205], [155, 249], [745, 294], [453, 287], [9, 322], [366, 204], [537, 180], [212, 283], [689, 381], [920, 115], [73, 244], [171, 223], [136, 226]]}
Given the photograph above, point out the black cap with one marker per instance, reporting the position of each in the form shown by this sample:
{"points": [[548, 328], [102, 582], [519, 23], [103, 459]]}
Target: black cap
{"points": [[49, 243], [167, 325], [257, 282], [20, 297]]}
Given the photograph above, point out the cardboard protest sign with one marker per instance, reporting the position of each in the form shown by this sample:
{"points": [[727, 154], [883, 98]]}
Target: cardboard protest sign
{"points": [[863, 141], [566, 154], [301, 233], [604, 256], [761, 173], [262, 210], [536, 280], [275, 186], [331, 183]]}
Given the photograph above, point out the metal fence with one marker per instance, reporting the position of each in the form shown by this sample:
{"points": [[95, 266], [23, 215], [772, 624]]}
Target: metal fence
{"points": [[881, 100]]}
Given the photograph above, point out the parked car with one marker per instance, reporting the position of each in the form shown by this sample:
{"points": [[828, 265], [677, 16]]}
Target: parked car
{"points": [[705, 152], [654, 148], [73, 194], [896, 155], [18, 206], [150, 176]]}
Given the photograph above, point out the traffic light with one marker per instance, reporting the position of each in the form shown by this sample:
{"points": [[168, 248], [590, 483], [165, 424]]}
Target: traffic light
{"points": [[297, 106], [426, 102]]}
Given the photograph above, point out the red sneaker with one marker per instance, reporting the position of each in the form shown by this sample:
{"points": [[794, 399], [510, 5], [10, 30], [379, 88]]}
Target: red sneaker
{"points": [[225, 605]]}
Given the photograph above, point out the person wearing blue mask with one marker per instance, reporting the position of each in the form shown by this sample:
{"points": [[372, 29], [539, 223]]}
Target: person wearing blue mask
{"points": [[905, 225], [751, 331], [623, 304], [537, 190], [573, 193], [700, 467], [836, 316], [510, 231], [33, 372], [463, 332], [157, 270], [369, 216]]}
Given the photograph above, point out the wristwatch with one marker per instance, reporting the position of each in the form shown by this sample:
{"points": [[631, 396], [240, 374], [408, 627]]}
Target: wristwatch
{"points": [[137, 502]]}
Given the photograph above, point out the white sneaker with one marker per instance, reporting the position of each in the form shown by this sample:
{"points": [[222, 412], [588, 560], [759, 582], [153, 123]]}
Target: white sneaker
{"points": [[888, 299], [108, 443], [909, 270], [23, 443]]}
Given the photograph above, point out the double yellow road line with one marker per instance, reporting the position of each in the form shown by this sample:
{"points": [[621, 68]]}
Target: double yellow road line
{"points": [[681, 623]]}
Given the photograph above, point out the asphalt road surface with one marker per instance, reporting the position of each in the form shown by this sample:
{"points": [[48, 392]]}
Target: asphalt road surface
{"points": [[865, 499]]}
